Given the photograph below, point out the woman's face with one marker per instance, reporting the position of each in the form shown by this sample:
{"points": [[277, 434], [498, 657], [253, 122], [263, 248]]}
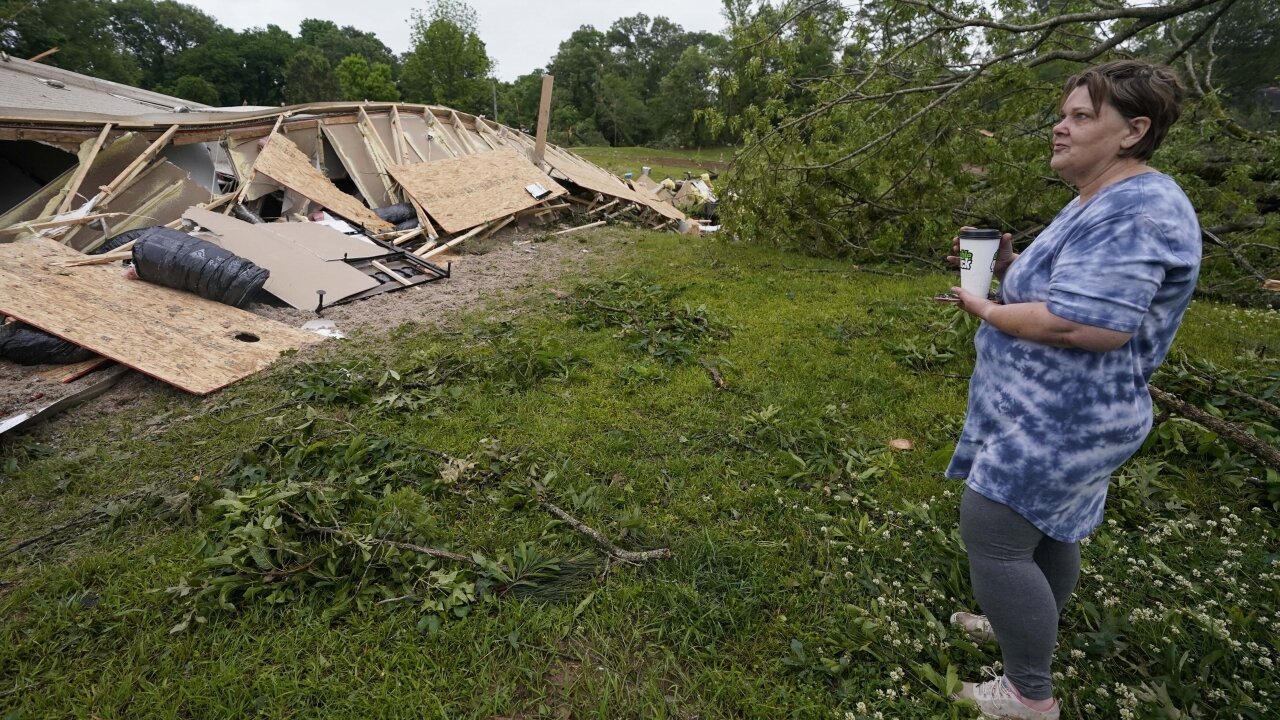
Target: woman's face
{"points": [[1086, 143]]}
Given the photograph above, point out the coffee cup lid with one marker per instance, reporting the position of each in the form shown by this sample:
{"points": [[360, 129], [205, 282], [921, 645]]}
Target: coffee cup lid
{"points": [[980, 234]]}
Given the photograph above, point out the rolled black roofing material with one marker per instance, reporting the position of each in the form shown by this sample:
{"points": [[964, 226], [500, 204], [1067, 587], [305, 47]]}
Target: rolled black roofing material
{"points": [[397, 213], [26, 345], [117, 241], [175, 259]]}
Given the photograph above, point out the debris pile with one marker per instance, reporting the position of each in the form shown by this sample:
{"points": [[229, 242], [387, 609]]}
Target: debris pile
{"points": [[313, 204]]}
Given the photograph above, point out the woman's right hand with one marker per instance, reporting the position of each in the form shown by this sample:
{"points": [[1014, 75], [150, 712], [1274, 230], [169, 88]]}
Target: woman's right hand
{"points": [[1004, 256]]}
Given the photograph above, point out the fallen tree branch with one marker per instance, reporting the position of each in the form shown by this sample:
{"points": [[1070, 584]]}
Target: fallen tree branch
{"points": [[714, 372], [1269, 456], [1214, 385], [1239, 259], [348, 535], [613, 551]]}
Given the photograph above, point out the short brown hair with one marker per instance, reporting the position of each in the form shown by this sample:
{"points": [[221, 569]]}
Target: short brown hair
{"points": [[1136, 89]]}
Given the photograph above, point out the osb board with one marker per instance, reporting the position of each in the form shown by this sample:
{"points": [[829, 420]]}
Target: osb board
{"points": [[324, 242], [243, 150], [174, 336], [296, 275], [348, 142], [158, 197], [113, 158], [464, 192], [283, 162]]}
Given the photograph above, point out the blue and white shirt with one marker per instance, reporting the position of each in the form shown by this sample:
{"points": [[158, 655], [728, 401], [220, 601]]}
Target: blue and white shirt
{"points": [[1046, 426]]}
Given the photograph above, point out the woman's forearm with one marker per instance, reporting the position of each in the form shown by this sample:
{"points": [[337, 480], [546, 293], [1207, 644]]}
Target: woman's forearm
{"points": [[1033, 321]]}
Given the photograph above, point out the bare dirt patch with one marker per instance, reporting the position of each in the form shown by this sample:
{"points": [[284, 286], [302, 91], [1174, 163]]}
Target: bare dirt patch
{"points": [[505, 267]]}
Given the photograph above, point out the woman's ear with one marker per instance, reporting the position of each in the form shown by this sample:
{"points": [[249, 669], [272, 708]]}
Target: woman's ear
{"points": [[1138, 128]]}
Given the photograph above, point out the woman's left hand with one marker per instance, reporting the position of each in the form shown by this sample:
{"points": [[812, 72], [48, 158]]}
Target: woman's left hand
{"points": [[972, 304]]}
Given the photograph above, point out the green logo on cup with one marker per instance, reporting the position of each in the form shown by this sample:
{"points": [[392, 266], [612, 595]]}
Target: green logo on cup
{"points": [[966, 260]]}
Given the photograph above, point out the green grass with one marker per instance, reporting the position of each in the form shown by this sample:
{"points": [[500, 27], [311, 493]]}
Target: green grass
{"points": [[798, 537], [663, 162]]}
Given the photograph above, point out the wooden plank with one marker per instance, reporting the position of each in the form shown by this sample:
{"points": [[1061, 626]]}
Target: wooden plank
{"points": [[544, 120], [283, 162], [379, 153], [33, 227], [74, 186], [392, 273], [436, 250], [407, 236], [397, 134], [180, 338], [131, 172], [461, 129], [80, 395], [296, 275], [464, 192], [588, 226], [75, 371], [495, 227], [450, 136], [431, 250]]}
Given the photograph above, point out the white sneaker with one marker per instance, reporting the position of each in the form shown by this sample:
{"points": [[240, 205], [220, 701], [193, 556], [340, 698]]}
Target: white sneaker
{"points": [[977, 627], [997, 699]]}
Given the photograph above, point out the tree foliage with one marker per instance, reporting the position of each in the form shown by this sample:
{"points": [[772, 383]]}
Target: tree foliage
{"points": [[308, 77], [939, 114], [338, 43], [361, 81], [448, 64]]}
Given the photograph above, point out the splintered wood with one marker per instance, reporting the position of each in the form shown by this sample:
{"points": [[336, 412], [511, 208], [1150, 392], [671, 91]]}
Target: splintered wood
{"points": [[593, 177], [467, 191], [283, 162], [196, 344]]}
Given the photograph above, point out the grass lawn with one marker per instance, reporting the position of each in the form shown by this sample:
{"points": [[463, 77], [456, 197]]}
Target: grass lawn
{"points": [[663, 162], [812, 567]]}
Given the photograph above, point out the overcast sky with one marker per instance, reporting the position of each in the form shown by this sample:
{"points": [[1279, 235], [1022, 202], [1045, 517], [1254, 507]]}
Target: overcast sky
{"points": [[519, 36]]}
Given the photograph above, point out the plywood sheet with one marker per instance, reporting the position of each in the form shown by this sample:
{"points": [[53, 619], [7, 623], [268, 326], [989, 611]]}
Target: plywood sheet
{"points": [[325, 242], [171, 335], [296, 275], [464, 192], [243, 150], [283, 162], [349, 143]]}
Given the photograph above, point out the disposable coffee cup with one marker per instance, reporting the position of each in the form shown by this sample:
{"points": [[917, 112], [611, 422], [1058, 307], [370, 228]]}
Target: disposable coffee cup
{"points": [[978, 248]]}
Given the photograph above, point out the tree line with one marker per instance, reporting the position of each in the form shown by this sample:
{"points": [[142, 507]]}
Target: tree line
{"points": [[640, 81]]}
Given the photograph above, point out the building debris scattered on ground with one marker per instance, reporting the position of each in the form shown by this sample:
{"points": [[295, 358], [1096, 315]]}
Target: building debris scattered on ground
{"points": [[313, 205]]}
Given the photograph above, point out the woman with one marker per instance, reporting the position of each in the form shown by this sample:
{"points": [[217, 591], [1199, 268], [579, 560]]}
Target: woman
{"points": [[1058, 398]]}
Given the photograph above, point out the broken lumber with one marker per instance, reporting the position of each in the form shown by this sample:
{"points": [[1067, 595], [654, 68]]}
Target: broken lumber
{"points": [[135, 167], [74, 186], [595, 224], [425, 253]]}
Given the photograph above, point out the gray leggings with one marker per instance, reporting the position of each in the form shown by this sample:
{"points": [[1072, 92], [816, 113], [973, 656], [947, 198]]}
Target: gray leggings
{"points": [[1022, 579]]}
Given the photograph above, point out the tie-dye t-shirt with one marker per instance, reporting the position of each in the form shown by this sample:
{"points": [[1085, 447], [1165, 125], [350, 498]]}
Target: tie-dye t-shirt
{"points": [[1046, 426]]}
